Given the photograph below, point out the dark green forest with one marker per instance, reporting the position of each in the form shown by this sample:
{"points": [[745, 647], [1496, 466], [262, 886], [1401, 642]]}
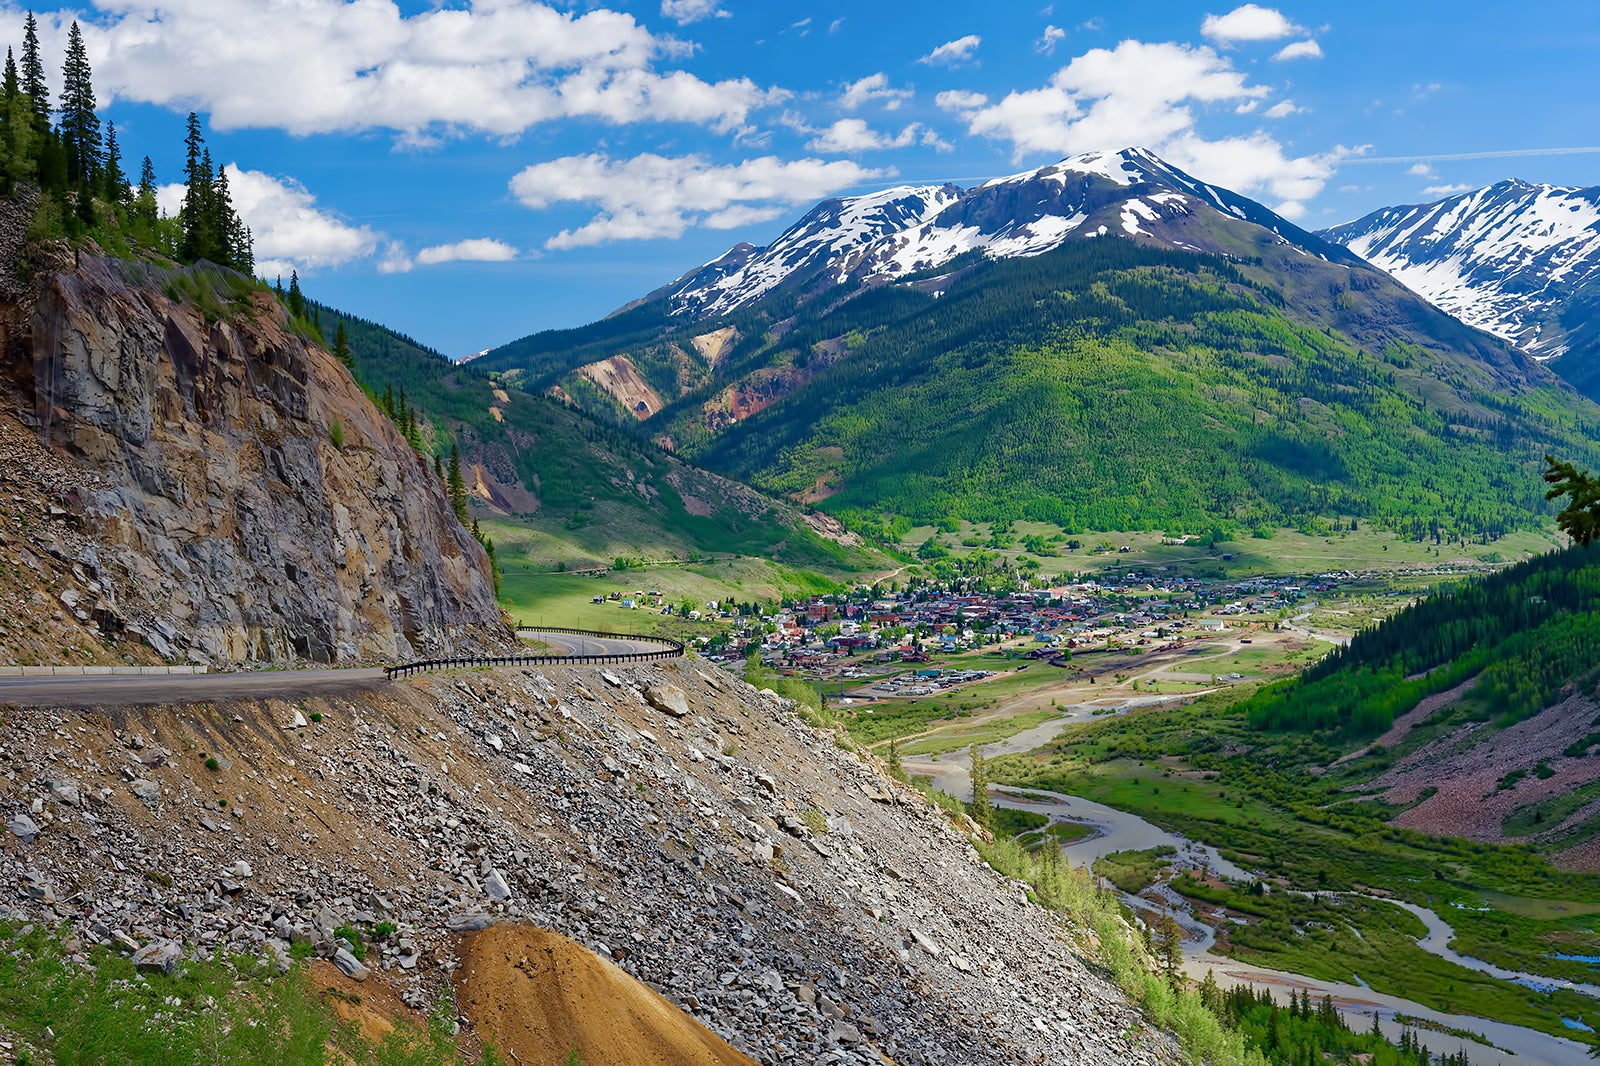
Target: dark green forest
{"points": [[1527, 632]]}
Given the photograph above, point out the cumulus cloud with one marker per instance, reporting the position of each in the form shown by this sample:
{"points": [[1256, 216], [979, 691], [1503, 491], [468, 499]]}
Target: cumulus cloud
{"points": [[324, 66], [1282, 109], [1052, 36], [1299, 50], [1136, 93], [1447, 190], [854, 135], [1420, 170], [474, 250], [684, 12], [652, 196], [953, 53], [874, 87], [1145, 94], [1251, 22], [290, 231]]}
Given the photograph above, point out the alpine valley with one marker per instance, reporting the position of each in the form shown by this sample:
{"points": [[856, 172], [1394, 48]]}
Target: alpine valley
{"points": [[1081, 617]]}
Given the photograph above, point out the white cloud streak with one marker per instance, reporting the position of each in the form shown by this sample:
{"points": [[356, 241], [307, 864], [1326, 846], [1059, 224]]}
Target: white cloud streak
{"points": [[651, 196], [474, 250], [953, 53], [684, 12], [854, 135], [874, 88], [1299, 50]]}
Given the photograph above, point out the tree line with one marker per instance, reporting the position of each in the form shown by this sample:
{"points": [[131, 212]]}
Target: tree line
{"points": [[71, 165]]}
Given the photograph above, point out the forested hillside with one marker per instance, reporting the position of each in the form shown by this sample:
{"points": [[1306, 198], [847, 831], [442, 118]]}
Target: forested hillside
{"points": [[549, 465], [1529, 633], [1116, 385]]}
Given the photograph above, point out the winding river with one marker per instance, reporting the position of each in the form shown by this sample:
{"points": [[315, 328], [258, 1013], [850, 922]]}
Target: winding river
{"points": [[1120, 831]]}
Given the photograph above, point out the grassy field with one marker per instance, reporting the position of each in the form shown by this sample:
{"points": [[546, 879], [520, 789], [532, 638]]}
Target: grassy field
{"points": [[959, 738], [1287, 551]]}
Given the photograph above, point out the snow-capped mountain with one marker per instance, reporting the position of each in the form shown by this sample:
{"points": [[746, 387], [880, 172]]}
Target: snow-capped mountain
{"points": [[884, 236], [1518, 260]]}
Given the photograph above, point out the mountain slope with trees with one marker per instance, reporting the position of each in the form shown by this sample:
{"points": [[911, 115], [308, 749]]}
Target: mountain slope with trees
{"points": [[1182, 358]]}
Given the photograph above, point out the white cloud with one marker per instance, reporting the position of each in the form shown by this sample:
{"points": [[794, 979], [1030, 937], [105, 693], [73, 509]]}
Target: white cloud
{"points": [[1282, 109], [1136, 93], [1250, 22], [1145, 94], [1447, 190], [474, 250], [833, 27], [1420, 170], [1299, 50], [873, 87], [289, 230], [953, 53], [854, 135], [395, 259], [323, 66], [960, 100], [684, 12], [1046, 44], [652, 196]]}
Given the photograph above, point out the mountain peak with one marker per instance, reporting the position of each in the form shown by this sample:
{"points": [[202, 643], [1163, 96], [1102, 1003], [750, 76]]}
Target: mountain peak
{"points": [[1509, 258], [882, 236]]}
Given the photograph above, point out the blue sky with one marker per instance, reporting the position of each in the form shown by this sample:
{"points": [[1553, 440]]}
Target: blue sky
{"points": [[472, 171]]}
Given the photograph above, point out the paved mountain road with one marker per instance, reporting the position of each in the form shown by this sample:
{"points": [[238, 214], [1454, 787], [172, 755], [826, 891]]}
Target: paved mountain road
{"points": [[131, 690]]}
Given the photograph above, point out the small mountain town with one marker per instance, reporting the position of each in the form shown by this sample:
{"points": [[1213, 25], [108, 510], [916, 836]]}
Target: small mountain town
{"points": [[707, 533]]}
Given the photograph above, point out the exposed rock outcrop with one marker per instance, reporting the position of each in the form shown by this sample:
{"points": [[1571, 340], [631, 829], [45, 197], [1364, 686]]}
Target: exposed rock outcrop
{"points": [[238, 498]]}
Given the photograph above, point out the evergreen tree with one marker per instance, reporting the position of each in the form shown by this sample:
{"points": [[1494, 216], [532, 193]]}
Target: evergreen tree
{"points": [[33, 72], [80, 123], [982, 805], [116, 180], [16, 146], [897, 769], [296, 300], [341, 347]]}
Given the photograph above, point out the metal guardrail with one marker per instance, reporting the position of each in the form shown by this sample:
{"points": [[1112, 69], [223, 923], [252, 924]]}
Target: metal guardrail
{"points": [[673, 650]]}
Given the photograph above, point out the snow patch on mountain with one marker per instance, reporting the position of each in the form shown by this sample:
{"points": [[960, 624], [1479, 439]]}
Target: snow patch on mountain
{"points": [[1506, 258]]}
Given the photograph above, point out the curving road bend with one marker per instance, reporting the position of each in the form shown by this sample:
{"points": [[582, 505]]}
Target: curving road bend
{"points": [[135, 689]]}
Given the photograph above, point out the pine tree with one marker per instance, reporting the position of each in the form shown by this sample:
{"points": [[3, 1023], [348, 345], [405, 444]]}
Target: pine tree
{"points": [[982, 805], [116, 180], [192, 215], [897, 769], [33, 72], [80, 123], [341, 347], [296, 301]]}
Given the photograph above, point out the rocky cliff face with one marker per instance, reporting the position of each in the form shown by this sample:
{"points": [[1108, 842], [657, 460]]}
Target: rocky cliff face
{"points": [[235, 496]]}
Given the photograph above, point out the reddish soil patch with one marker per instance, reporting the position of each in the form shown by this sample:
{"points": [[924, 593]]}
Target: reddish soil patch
{"points": [[1467, 766], [535, 996]]}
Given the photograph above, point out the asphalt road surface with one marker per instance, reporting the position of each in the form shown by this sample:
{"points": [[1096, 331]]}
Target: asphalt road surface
{"points": [[126, 690], [132, 690]]}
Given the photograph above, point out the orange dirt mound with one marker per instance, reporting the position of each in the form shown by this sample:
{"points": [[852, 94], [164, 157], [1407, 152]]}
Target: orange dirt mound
{"points": [[535, 995]]}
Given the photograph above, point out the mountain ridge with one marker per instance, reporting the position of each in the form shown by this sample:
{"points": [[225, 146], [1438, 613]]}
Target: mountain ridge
{"points": [[1518, 259], [1301, 365]]}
